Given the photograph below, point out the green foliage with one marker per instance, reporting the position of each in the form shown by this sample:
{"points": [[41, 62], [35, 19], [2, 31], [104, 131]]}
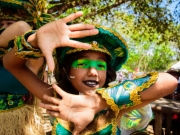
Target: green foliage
{"points": [[147, 25]]}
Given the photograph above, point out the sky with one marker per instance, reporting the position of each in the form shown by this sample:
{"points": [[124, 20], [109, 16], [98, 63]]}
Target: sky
{"points": [[173, 5]]}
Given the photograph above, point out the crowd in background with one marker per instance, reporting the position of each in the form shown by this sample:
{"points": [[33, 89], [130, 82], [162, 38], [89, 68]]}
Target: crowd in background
{"points": [[124, 74]]}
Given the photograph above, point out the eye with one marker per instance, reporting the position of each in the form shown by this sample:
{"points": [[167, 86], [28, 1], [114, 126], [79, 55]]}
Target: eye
{"points": [[82, 65], [101, 66]]}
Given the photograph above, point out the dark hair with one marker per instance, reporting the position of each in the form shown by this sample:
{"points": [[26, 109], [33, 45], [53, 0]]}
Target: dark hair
{"points": [[64, 69]]}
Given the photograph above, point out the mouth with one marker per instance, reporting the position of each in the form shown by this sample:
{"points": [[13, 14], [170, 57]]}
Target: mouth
{"points": [[91, 83]]}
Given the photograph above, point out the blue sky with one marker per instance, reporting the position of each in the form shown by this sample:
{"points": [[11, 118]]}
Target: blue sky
{"points": [[173, 5]]}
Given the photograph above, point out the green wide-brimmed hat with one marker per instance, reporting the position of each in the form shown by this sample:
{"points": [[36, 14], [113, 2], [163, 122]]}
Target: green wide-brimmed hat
{"points": [[107, 41], [31, 11]]}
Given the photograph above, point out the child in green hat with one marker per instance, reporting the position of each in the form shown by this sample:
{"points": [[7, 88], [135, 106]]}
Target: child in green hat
{"points": [[87, 104]]}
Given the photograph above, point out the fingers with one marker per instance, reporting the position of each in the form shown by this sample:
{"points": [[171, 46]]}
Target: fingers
{"points": [[51, 99], [49, 107], [53, 113], [72, 16], [75, 27], [84, 33], [59, 90], [77, 44]]}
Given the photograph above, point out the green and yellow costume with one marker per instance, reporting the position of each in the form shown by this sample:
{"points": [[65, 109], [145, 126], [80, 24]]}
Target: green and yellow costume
{"points": [[18, 112], [121, 96]]}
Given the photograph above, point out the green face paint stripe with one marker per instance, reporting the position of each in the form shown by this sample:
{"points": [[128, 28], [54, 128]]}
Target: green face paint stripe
{"points": [[85, 63], [99, 65], [81, 63]]}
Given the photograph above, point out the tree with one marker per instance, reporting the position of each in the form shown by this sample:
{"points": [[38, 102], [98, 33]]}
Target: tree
{"points": [[147, 49], [146, 12], [147, 25]]}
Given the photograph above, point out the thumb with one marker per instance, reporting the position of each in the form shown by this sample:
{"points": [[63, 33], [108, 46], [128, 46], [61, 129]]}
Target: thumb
{"points": [[77, 129]]}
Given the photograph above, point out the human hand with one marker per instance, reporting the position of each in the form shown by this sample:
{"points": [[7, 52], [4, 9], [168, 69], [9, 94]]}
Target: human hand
{"points": [[74, 108], [58, 34]]}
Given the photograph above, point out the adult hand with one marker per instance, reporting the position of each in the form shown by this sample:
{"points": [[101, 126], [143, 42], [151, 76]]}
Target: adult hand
{"points": [[58, 34], [74, 108]]}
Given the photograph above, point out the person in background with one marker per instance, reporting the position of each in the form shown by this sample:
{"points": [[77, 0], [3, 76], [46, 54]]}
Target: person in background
{"points": [[18, 115]]}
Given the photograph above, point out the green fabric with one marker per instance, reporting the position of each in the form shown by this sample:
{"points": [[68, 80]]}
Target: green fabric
{"points": [[86, 64], [60, 130], [110, 39], [126, 94], [3, 50], [104, 123], [9, 101], [24, 49]]}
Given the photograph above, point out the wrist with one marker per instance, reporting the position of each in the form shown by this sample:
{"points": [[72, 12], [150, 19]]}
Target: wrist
{"points": [[23, 46], [32, 40]]}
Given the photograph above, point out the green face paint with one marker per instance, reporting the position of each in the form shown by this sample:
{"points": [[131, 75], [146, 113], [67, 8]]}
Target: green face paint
{"points": [[85, 63]]}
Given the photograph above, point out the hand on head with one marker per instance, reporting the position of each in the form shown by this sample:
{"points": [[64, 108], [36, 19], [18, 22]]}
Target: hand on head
{"points": [[58, 34], [71, 108]]}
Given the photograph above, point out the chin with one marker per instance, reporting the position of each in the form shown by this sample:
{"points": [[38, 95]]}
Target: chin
{"points": [[87, 92]]}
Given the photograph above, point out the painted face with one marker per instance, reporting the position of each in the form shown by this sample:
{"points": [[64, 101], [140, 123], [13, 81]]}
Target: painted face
{"points": [[6, 23], [88, 72]]}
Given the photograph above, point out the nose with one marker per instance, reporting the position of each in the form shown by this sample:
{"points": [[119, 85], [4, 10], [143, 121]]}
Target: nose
{"points": [[92, 71]]}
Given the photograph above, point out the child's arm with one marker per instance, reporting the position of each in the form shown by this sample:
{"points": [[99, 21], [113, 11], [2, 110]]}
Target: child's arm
{"points": [[47, 38], [17, 66], [16, 29]]}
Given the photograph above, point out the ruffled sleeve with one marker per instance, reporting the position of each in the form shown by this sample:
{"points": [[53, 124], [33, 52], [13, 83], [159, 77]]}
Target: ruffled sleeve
{"points": [[24, 49], [127, 94]]}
